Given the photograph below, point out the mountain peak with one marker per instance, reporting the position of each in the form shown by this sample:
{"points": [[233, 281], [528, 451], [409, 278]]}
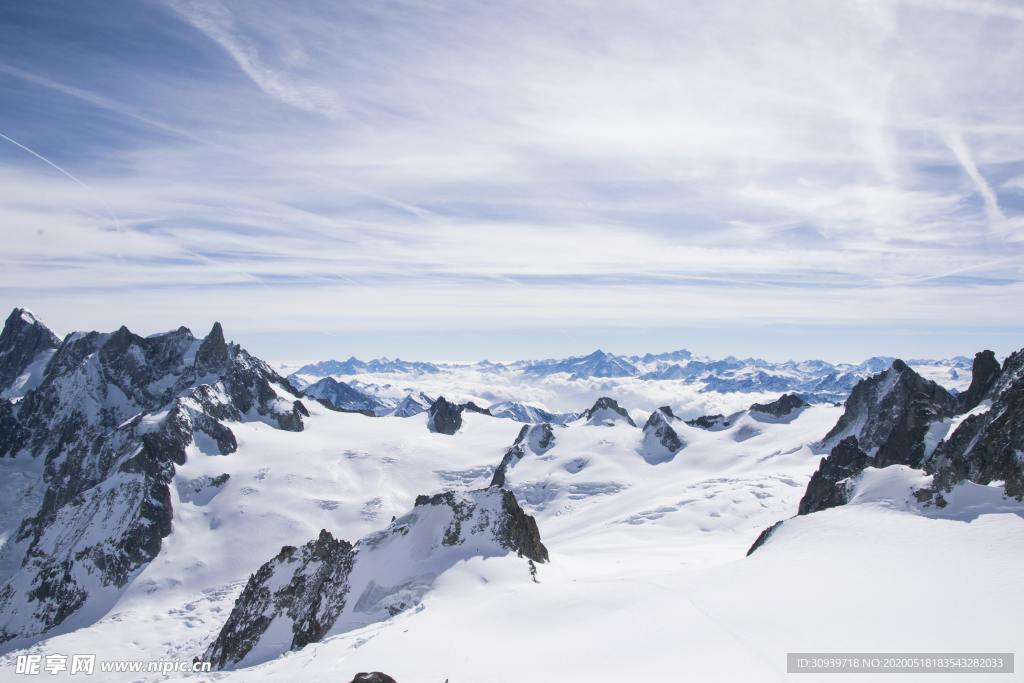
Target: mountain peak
{"points": [[26, 345], [606, 411], [984, 372], [213, 352]]}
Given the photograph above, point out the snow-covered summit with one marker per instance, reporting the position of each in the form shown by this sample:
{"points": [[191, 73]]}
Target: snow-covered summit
{"points": [[330, 586], [26, 346], [108, 423]]}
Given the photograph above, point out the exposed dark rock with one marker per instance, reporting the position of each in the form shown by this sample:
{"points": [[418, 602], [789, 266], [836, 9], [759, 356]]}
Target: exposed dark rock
{"points": [[444, 417], [374, 677], [708, 421], [829, 484], [987, 447], [890, 413], [111, 419], [984, 374], [24, 340], [537, 438], [213, 352], [514, 529], [660, 442], [605, 412], [313, 598], [311, 587], [471, 407], [764, 536], [781, 407]]}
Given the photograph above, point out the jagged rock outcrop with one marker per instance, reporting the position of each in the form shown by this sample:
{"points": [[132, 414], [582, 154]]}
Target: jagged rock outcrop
{"points": [[444, 417], [988, 445], [890, 414], [606, 412], [709, 421], [26, 346], [763, 537], [660, 441], [984, 374], [306, 586], [829, 484], [471, 407], [538, 439], [373, 677], [111, 419], [329, 585], [781, 407]]}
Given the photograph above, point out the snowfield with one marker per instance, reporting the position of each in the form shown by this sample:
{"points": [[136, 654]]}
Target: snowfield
{"points": [[174, 498], [648, 575]]}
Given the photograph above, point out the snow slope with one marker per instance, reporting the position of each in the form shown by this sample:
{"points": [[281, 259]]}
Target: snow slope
{"points": [[647, 571], [648, 576]]}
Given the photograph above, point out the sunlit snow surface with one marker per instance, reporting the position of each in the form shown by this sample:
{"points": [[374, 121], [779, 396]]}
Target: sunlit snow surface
{"points": [[647, 580]]}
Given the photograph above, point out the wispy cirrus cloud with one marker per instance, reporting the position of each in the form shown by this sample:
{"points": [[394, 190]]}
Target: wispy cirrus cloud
{"points": [[217, 22], [503, 165]]}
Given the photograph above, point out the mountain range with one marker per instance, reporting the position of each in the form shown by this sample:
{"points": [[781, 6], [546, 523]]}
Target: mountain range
{"points": [[173, 496], [815, 381]]}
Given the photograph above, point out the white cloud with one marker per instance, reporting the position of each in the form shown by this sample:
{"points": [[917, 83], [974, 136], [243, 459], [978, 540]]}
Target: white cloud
{"points": [[217, 22], [518, 164]]}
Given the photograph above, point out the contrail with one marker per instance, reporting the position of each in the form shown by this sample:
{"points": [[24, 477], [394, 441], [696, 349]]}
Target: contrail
{"points": [[67, 174]]}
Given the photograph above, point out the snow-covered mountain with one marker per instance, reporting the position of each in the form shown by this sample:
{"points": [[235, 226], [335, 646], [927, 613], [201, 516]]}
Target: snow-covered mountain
{"points": [[553, 390], [173, 497], [329, 586], [346, 397], [26, 346], [103, 431], [953, 444]]}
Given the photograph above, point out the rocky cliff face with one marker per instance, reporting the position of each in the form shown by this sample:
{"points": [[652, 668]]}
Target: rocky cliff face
{"points": [[112, 417], [660, 441], [306, 587], [444, 417], [890, 413], [888, 416], [984, 374], [829, 486], [328, 585], [26, 346], [988, 445]]}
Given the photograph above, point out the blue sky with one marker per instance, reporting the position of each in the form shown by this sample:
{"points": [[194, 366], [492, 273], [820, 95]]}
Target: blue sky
{"points": [[466, 180]]}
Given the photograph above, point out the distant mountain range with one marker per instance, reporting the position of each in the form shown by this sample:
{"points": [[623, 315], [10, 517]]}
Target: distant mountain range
{"points": [[815, 381]]}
